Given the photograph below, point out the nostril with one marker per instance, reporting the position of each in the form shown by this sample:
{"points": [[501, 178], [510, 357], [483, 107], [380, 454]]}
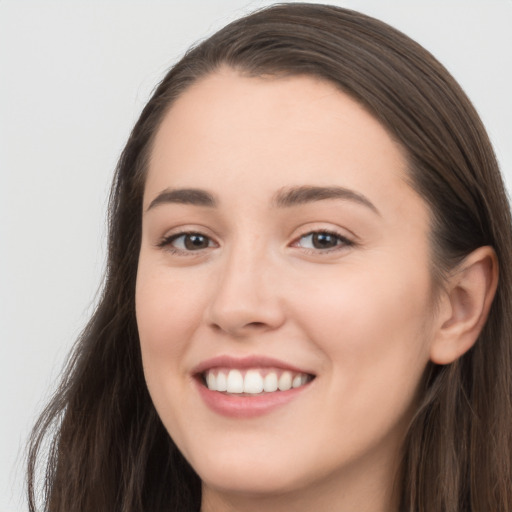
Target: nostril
{"points": [[256, 324], [241, 329]]}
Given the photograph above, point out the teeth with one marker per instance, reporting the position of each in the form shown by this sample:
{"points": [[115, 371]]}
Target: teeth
{"points": [[211, 381], [222, 383], [235, 382], [253, 381], [297, 381], [270, 382], [285, 381]]}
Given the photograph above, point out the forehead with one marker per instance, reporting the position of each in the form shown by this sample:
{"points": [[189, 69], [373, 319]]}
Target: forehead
{"points": [[258, 134]]}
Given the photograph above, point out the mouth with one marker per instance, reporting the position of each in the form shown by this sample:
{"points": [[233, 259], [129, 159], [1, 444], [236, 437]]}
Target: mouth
{"points": [[250, 386], [253, 381]]}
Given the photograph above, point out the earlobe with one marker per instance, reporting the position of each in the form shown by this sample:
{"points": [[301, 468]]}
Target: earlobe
{"points": [[469, 294]]}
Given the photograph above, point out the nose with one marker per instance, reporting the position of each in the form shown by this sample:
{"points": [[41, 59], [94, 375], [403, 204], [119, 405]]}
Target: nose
{"points": [[246, 296]]}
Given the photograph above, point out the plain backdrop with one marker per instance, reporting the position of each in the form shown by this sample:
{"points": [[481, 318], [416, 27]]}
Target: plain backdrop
{"points": [[74, 76]]}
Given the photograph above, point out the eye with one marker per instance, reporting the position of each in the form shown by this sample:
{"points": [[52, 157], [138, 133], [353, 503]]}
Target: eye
{"points": [[322, 240], [186, 242]]}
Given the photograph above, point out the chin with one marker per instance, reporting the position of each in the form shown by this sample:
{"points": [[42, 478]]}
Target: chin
{"points": [[239, 475]]}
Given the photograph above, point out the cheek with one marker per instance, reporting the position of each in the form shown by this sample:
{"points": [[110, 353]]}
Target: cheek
{"points": [[167, 309], [168, 312], [355, 301], [374, 328]]}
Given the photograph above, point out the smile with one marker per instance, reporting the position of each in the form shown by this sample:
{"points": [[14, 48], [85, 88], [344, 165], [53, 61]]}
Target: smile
{"points": [[250, 386], [253, 381]]}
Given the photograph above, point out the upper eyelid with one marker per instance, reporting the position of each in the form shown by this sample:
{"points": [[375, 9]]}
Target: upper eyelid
{"points": [[166, 244], [297, 233], [326, 231], [347, 241], [174, 236], [168, 239], [342, 233], [189, 230]]}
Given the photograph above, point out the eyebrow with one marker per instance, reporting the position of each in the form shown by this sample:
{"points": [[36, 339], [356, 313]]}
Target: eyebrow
{"points": [[294, 196], [193, 196], [284, 198]]}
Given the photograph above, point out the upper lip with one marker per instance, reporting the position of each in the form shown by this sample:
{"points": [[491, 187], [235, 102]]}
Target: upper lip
{"points": [[253, 361]]}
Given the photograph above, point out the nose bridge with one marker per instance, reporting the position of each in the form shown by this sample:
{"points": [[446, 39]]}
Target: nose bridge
{"points": [[245, 296]]}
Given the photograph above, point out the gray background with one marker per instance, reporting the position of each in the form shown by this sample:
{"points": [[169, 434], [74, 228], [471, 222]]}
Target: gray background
{"points": [[74, 76]]}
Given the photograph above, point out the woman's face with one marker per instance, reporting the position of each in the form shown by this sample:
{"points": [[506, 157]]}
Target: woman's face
{"points": [[282, 247]]}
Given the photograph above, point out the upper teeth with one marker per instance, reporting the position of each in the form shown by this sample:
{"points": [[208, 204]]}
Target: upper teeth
{"points": [[253, 381]]}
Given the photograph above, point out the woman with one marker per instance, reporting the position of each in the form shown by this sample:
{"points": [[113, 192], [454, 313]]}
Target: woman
{"points": [[302, 306]]}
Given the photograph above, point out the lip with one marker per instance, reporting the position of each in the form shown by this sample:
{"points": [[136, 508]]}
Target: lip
{"points": [[253, 361], [246, 406]]}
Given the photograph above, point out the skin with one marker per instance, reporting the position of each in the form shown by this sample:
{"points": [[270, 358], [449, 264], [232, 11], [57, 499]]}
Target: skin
{"points": [[359, 316]]}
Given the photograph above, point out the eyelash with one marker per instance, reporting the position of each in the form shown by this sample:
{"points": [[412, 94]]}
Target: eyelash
{"points": [[342, 242], [166, 243]]}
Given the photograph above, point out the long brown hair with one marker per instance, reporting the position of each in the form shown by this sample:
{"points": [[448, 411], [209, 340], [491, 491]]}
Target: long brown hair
{"points": [[106, 447]]}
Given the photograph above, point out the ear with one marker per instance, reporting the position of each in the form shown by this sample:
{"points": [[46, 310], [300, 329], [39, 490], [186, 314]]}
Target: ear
{"points": [[465, 305]]}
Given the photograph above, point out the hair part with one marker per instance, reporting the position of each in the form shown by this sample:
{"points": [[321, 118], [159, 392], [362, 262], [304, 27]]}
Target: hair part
{"points": [[111, 451]]}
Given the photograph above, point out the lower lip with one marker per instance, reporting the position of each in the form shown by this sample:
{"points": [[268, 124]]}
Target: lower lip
{"points": [[247, 406]]}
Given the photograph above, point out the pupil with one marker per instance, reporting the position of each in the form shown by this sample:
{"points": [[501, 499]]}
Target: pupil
{"points": [[196, 242], [324, 240]]}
